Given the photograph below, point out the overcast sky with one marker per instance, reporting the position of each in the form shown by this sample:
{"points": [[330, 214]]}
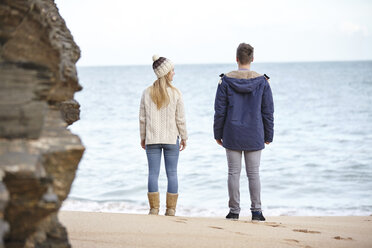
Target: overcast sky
{"points": [[117, 32]]}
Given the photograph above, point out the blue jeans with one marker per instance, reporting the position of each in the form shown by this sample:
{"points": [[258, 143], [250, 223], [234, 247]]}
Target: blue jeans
{"points": [[171, 153]]}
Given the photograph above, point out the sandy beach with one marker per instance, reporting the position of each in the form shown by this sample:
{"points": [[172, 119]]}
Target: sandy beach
{"points": [[89, 230]]}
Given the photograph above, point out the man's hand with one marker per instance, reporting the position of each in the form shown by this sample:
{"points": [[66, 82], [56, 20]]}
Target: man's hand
{"points": [[183, 145], [219, 141], [267, 142], [143, 145]]}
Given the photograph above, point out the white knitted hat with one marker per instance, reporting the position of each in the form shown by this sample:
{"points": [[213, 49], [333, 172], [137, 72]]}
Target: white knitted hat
{"points": [[161, 66]]}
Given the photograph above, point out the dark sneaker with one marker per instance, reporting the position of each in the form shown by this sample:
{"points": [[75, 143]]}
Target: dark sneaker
{"points": [[232, 216], [257, 216]]}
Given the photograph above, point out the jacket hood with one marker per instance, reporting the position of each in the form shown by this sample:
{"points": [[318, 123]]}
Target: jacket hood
{"points": [[244, 85]]}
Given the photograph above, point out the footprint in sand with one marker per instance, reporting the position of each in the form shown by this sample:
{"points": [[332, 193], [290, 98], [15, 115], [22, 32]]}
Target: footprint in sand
{"points": [[181, 220], [341, 238], [304, 231], [292, 240], [215, 227], [273, 224]]}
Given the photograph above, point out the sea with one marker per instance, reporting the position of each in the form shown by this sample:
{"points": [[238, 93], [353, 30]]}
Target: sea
{"points": [[320, 162]]}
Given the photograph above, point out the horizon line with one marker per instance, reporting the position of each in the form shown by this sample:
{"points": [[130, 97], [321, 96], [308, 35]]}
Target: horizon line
{"points": [[224, 63]]}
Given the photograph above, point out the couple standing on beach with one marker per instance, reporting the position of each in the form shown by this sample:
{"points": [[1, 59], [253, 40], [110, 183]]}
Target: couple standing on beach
{"points": [[243, 124]]}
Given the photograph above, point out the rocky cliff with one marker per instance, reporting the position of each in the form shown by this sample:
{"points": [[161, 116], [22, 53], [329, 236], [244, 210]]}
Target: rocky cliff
{"points": [[38, 155]]}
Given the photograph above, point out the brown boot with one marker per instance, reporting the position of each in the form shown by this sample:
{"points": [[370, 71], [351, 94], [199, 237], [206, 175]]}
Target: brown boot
{"points": [[171, 204], [153, 202]]}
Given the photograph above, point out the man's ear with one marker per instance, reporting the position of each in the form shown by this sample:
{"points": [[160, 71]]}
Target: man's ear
{"points": [[237, 60], [252, 59]]}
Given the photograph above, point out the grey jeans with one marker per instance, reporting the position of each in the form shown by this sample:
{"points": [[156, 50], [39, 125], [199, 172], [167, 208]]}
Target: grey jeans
{"points": [[252, 165]]}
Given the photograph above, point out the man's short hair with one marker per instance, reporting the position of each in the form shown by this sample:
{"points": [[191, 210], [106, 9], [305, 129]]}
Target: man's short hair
{"points": [[244, 53]]}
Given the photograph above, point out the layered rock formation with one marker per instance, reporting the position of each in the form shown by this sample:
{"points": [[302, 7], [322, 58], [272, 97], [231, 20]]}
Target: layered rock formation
{"points": [[38, 155]]}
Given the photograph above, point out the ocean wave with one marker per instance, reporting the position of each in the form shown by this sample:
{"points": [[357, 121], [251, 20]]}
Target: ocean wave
{"points": [[131, 208]]}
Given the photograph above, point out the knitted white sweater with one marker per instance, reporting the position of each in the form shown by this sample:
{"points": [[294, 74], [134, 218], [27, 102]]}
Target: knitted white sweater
{"points": [[162, 126]]}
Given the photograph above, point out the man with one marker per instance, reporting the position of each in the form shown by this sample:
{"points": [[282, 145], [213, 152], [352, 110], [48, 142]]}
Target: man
{"points": [[243, 124]]}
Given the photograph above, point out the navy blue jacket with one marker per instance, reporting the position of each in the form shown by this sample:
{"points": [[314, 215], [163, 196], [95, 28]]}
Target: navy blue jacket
{"points": [[244, 111]]}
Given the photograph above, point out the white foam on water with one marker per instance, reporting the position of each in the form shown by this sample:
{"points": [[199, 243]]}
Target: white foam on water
{"points": [[130, 208]]}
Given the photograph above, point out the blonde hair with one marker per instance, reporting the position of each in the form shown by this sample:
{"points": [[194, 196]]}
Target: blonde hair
{"points": [[159, 93]]}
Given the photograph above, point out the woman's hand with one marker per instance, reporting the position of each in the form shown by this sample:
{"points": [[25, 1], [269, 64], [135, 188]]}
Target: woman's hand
{"points": [[143, 144], [183, 145]]}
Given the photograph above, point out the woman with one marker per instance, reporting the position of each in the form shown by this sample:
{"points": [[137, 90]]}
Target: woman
{"points": [[162, 121]]}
